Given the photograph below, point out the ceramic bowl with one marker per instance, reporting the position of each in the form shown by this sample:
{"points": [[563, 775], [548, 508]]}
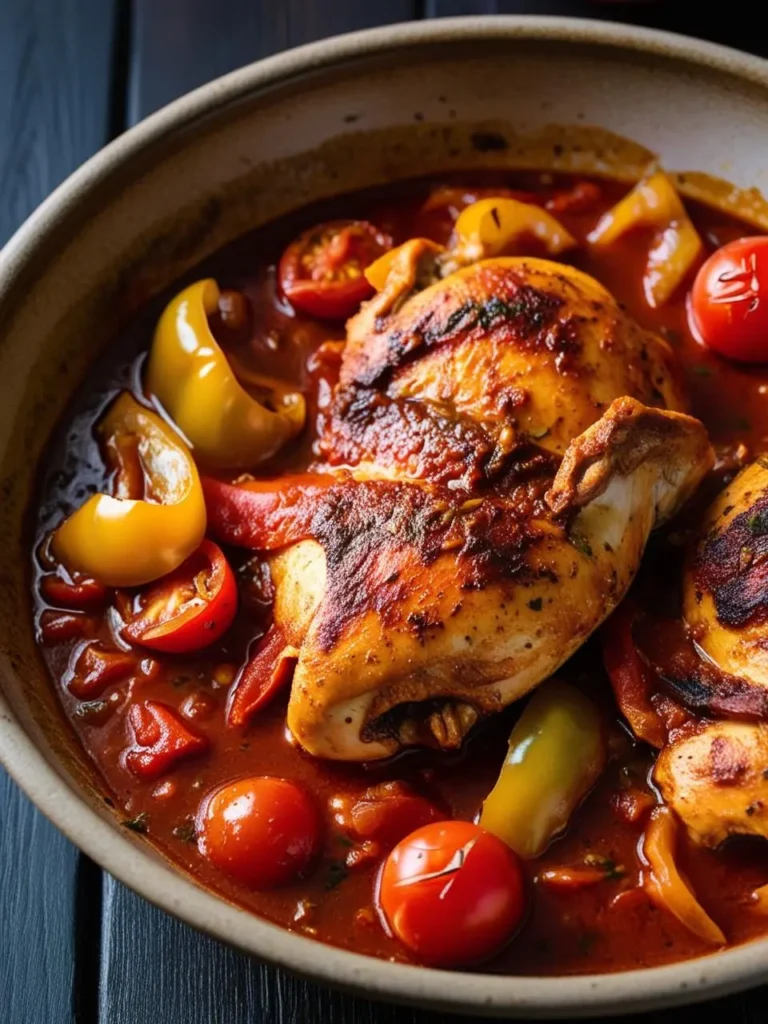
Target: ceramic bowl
{"points": [[352, 111]]}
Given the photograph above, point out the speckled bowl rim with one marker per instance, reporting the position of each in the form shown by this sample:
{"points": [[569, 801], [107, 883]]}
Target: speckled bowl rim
{"points": [[118, 854]]}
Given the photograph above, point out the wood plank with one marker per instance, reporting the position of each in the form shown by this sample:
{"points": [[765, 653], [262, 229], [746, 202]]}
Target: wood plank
{"points": [[156, 968], [54, 113], [180, 44], [707, 23], [37, 905], [54, 96]]}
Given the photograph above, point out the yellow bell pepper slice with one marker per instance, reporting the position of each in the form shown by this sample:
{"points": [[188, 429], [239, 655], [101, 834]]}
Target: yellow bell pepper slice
{"points": [[126, 542], [190, 377], [664, 883], [654, 203], [398, 268], [556, 753], [491, 227]]}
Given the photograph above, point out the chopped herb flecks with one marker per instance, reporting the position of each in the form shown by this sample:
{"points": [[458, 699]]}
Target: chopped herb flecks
{"points": [[138, 824], [186, 831], [581, 544], [758, 522]]}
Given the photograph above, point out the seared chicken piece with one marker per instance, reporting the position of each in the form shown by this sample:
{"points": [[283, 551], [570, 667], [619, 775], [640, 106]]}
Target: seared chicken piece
{"points": [[457, 560], [725, 600], [445, 384], [717, 781]]}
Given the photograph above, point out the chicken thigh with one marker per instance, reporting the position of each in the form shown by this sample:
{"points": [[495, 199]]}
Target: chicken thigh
{"points": [[494, 456]]}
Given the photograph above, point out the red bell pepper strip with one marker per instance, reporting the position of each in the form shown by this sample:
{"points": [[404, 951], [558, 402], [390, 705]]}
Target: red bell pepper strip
{"points": [[264, 514]]}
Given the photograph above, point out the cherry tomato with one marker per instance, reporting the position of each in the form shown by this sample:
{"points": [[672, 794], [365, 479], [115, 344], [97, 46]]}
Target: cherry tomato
{"points": [[452, 893], [321, 272], [261, 831], [188, 609], [728, 306]]}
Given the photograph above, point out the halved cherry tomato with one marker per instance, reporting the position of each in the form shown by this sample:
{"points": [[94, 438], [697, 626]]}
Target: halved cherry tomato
{"points": [[321, 272], [160, 739], [189, 608], [728, 306], [261, 831], [452, 893], [268, 670]]}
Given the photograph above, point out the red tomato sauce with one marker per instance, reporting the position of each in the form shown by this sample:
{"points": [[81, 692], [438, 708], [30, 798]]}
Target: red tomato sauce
{"points": [[608, 926]]}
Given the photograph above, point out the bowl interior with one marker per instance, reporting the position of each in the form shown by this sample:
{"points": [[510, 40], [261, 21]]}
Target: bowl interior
{"points": [[358, 111]]}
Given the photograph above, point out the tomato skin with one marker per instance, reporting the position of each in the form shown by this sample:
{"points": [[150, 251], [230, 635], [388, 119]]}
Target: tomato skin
{"points": [[78, 593], [384, 814], [728, 305], [261, 831], [321, 272], [96, 668], [459, 918], [199, 624], [160, 739]]}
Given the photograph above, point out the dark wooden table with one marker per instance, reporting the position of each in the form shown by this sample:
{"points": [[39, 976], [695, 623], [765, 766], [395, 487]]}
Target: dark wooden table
{"points": [[74, 944]]}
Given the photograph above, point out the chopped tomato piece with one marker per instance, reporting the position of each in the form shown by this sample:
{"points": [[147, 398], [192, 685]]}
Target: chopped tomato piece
{"points": [[632, 680], [266, 673], [321, 272], [583, 196], [95, 668], [190, 608], [632, 805], [160, 739], [630, 899], [78, 592], [58, 627], [384, 814]]}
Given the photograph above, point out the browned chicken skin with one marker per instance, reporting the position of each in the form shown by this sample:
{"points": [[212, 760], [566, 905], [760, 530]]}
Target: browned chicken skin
{"points": [[478, 567], [717, 778], [498, 465]]}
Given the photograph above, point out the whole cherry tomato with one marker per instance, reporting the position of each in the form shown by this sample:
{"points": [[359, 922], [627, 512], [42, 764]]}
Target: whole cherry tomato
{"points": [[452, 893], [188, 609], [321, 272], [262, 831], [728, 306]]}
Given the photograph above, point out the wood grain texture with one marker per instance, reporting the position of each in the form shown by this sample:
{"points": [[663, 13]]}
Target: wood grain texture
{"points": [[54, 96], [54, 113], [156, 968], [180, 44], [37, 910], [707, 22]]}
